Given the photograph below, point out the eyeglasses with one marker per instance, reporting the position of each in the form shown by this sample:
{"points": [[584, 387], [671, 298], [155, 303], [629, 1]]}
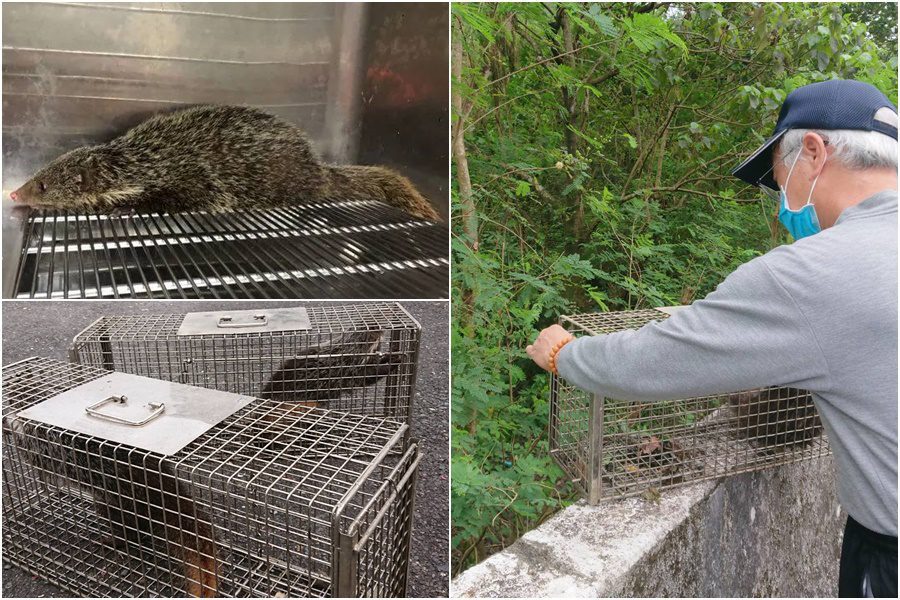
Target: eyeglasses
{"points": [[769, 192], [766, 190]]}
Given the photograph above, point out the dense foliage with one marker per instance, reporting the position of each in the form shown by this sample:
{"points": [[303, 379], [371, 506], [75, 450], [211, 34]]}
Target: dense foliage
{"points": [[592, 150]]}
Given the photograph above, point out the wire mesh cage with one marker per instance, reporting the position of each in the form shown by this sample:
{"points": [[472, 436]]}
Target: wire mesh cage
{"points": [[611, 448], [339, 250], [275, 500], [360, 358]]}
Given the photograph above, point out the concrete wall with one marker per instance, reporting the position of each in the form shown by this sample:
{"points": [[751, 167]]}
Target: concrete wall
{"points": [[771, 533]]}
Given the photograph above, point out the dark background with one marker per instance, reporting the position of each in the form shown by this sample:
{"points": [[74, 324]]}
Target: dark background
{"points": [[46, 329], [404, 106]]}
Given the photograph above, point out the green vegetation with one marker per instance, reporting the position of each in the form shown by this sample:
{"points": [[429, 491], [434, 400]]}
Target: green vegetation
{"points": [[592, 146]]}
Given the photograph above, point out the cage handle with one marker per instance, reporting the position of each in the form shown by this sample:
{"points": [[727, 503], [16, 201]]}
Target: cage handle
{"points": [[259, 320], [157, 409]]}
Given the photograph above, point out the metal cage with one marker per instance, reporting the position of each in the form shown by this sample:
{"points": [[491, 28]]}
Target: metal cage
{"points": [[339, 250], [611, 448], [276, 500], [360, 358]]}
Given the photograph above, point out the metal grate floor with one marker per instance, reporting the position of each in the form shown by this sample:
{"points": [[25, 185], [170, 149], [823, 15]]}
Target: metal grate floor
{"points": [[342, 250]]}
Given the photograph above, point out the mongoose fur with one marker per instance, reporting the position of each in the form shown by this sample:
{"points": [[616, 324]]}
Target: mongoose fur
{"points": [[210, 158], [323, 374], [772, 419]]}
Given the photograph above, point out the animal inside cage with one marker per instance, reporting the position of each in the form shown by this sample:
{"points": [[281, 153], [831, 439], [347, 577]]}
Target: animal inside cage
{"points": [[215, 494], [360, 358], [339, 250], [611, 448]]}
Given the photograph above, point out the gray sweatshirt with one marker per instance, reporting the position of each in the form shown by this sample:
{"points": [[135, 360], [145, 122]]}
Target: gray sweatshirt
{"points": [[819, 314]]}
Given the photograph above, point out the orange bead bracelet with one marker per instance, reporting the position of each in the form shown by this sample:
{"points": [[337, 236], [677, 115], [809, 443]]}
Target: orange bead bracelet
{"points": [[551, 364]]}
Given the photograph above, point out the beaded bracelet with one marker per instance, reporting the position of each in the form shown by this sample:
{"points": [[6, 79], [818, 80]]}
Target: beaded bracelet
{"points": [[554, 351]]}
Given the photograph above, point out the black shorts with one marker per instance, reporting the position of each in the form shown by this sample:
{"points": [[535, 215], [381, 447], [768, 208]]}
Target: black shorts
{"points": [[868, 563]]}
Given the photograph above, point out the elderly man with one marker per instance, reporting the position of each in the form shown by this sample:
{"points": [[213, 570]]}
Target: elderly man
{"points": [[818, 314]]}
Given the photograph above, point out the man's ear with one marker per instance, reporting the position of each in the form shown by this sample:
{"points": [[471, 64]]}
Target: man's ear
{"points": [[816, 148]]}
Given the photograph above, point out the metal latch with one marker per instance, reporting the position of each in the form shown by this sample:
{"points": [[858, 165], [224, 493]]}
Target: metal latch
{"points": [[156, 408], [256, 321]]}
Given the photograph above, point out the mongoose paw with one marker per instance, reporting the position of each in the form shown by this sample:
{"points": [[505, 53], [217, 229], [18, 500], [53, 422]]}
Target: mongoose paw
{"points": [[122, 211]]}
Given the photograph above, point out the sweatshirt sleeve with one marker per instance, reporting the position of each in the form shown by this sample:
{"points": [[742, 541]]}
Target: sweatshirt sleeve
{"points": [[748, 333]]}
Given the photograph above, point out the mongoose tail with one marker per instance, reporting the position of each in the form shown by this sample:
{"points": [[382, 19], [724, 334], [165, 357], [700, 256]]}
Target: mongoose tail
{"points": [[200, 572], [378, 183]]}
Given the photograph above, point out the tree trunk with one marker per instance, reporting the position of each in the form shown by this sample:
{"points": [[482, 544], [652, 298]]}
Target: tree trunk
{"points": [[469, 216]]}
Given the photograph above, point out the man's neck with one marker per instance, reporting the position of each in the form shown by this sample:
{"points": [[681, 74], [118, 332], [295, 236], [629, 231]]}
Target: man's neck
{"points": [[849, 188]]}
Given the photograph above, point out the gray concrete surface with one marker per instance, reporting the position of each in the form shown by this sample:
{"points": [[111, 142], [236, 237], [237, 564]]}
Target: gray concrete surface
{"points": [[47, 328], [774, 533]]}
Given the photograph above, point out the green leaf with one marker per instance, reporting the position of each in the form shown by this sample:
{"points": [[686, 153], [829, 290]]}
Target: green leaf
{"points": [[522, 189], [604, 22], [471, 16]]}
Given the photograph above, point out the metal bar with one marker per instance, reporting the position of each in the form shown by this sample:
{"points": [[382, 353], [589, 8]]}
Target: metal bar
{"points": [[408, 475], [109, 263], [148, 241], [50, 272], [344, 98], [595, 451], [212, 226], [344, 563], [94, 258], [316, 259], [37, 264], [28, 226], [66, 256], [284, 252], [136, 260], [184, 220], [172, 251]]}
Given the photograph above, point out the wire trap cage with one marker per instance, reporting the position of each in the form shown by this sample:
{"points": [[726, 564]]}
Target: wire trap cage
{"points": [[611, 448], [361, 358], [273, 500], [337, 250]]}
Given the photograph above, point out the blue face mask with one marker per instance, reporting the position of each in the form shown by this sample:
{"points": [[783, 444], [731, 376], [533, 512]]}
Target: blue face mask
{"points": [[799, 223]]}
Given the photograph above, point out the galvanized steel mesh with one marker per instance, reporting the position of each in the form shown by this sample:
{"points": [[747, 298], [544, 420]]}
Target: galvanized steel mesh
{"points": [[360, 358], [338, 250], [278, 500], [611, 448]]}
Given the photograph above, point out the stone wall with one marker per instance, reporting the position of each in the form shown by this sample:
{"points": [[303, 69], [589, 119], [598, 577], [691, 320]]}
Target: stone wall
{"points": [[771, 533]]}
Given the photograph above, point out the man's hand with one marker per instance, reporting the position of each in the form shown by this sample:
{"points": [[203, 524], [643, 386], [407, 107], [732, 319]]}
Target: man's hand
{"points": [[539, 351]]}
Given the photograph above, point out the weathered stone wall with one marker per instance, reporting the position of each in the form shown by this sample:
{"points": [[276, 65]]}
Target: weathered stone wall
{"points": [[771, 533]]}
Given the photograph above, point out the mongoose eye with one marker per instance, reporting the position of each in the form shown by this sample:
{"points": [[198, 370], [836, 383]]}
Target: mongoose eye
{"points": [[42, 186]]}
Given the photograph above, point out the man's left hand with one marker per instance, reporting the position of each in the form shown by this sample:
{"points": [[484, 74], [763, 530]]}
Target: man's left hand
{"points": [[539, 351]]}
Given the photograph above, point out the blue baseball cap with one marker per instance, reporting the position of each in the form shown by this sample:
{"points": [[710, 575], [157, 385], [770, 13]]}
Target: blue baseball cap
{"points": [[833, 104]]}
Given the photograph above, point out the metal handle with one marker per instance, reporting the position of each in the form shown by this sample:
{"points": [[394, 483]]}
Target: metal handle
{"points": [[258, 321], [156, 407]]}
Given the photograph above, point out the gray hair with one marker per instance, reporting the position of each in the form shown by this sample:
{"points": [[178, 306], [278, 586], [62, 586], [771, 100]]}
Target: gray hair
{"points": [[856, 150]]}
